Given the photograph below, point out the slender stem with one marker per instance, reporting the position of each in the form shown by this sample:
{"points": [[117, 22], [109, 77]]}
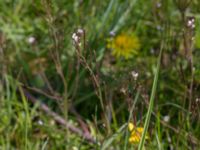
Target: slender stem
{"points": [[150, 109]]}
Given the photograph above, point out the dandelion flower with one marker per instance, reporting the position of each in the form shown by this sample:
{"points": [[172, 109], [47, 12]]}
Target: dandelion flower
{"points": [[124, 45], [136, 133]]}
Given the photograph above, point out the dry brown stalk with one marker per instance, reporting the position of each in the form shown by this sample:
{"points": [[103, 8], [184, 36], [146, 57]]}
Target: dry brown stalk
{"points": [[58, 118]]}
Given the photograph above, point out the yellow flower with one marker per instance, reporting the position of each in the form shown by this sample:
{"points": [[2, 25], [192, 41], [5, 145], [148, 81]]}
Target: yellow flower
{"points": [[124, 45], [136, 133]]}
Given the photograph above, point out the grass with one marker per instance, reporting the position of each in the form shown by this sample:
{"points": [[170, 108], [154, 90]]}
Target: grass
{"points": [[59, 92], [152, 97]]}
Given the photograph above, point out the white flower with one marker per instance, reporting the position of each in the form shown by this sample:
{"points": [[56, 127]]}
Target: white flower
{"points": [[40, 122], [112, 33], [75, 38], [80, 31], [134, 75], [166, 118], [31, 40]]}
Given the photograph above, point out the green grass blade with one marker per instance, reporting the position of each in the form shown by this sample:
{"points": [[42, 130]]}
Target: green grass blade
{"points": [[109, 141], [148, 117], [124, 16], [129, 119]]}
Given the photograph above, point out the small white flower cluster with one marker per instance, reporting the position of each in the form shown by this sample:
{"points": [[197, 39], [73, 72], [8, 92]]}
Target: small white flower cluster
{"points": [[191, 23], [134, 75], [76, 37]]}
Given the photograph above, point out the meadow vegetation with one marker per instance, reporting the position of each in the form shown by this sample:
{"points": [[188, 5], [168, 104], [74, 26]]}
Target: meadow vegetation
{"points": [[99, 74]]}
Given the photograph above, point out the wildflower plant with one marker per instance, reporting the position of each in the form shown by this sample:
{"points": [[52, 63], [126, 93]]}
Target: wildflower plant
{"points": [[135, 133], [124, 45], [60, 89]]}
